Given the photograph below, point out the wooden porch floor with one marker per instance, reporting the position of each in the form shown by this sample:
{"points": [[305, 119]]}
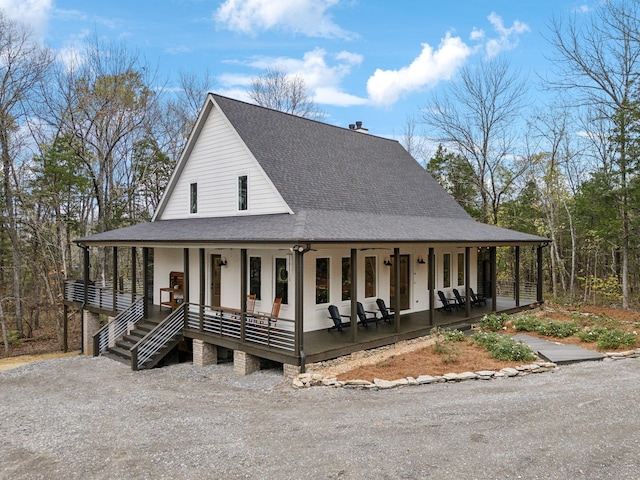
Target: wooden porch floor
{"points": [[322, 345]]}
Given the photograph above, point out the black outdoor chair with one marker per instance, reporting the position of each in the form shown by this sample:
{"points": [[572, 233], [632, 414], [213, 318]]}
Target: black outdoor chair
{"points": [[477, 299], [446, 304], [338, 324], [459, 299], [364, 319], [387, 313]]}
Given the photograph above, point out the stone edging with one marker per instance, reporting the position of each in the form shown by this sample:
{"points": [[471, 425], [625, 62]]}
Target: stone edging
{"points": [[307, 380]]}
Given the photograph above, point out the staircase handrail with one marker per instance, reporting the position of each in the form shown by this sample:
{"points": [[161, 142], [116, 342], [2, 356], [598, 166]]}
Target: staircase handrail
{"points": [[117, 327], [157, 338]]}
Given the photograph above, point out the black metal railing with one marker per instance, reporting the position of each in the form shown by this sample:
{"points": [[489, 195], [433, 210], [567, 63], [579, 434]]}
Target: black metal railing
{"points": [[165, 333], [99, 296], [116, 328]]}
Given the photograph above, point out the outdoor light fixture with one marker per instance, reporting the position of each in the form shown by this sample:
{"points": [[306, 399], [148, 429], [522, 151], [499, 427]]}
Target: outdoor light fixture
{"points": [[222, 262], [387, 262], [421, 260]]}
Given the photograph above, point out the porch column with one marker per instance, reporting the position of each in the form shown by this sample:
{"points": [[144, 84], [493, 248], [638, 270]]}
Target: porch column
{"points": [[299, 301], [202, 287], [134, 279], [243, 293], [354, 295], [432, 284], [494, 278], [539, 289], [65, 328], [467, 275], [145, 281], [85, 295], [185, 261], [114, 272], [396, 303], [516, 288]]}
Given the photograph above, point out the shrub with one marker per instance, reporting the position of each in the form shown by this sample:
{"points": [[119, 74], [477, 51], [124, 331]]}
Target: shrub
{"points": [[453, 336], [591, 334], [553, 328], [503, 347], [615, 338], [448, 350], [527, 323], [494, 321]]}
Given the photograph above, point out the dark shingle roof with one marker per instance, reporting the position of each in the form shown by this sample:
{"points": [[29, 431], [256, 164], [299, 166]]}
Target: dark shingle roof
{"points": [[342, 185]]}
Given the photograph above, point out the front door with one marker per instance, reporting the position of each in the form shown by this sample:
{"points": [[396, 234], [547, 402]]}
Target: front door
{"points": [[215, 280], [403, 284]]}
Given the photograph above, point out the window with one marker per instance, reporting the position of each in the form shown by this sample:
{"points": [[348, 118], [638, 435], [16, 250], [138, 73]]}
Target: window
{"points": [[369, 277], [255, 271], [322, 280], [446, 270], [282, 280], [193, 198], [461, 269], [242, 192], [346, 278]]}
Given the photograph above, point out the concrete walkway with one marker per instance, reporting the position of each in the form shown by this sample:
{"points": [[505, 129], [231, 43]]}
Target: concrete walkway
{"points": [[558, 353]]}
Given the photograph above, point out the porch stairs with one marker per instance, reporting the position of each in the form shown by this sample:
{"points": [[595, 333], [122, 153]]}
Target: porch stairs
{"points": [[122, 350], [137, 341]]}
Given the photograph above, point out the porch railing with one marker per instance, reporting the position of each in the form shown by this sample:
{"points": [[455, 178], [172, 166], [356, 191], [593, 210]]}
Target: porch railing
{"points": [[263, 330], [163, 335], [98, 297], [107, 335], [528, 290]]}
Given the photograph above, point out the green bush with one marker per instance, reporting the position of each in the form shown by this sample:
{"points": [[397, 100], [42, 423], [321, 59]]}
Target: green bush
{"points": [[553, 328], [615, 338], [453, 336], [591, 334], [527, 323], [494, 321], [12, 337], [503, 347], [448, 350]]}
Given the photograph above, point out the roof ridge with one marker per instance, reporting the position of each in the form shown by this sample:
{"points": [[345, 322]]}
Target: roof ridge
{"points": [[217, 95]]}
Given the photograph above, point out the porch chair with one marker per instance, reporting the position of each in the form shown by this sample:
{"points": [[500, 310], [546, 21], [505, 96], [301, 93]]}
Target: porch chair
{"points": [[364, 319], [477, 299], [251, 302], [387, 313], [446, 304], [272, 317], [461, 301], [338, 324]]}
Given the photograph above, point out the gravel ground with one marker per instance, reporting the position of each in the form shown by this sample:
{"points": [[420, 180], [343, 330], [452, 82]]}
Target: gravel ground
{"points": [[84, 417]]}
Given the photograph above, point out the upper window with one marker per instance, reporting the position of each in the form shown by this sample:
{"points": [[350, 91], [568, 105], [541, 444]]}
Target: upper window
{"points": [[243, 202], [446, 270], [461, 269], [193, 198], [255, 281], [322, 280], [369, 277]]}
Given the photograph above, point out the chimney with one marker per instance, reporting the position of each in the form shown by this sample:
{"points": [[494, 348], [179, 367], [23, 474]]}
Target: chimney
{"points": [[357, 127]]}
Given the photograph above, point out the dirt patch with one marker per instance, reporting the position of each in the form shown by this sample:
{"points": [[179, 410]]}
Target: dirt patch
{"points": [[13, 362]]}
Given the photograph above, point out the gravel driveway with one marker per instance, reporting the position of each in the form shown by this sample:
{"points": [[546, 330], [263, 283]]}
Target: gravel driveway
{"points": [[87, 417]]}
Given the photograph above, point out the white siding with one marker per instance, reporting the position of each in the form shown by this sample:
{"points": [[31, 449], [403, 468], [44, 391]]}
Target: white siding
{"points": [[218, 158]]}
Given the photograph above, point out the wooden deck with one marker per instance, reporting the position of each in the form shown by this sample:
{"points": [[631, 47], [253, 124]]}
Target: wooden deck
{"points": [[322, 345]]}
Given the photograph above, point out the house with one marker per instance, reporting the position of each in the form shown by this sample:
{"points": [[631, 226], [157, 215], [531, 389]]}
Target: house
{"points": [[264, 205]]}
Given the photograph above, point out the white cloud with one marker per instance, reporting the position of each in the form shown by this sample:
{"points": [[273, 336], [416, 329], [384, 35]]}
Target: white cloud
{"points": [[385, 87], [582, 9], [322, 73], [304, 17], [508, 38], [34, 13]]}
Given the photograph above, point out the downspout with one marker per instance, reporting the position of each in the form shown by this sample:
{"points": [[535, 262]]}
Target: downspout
{"points": [[299, 252]]}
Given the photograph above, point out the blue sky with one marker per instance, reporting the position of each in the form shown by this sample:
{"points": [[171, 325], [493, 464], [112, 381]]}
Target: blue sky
{"points": [[371, 60]]}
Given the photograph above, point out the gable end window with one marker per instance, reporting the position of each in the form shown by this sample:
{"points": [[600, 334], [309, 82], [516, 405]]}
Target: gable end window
{"points": [[243, 199], [193, 198]]}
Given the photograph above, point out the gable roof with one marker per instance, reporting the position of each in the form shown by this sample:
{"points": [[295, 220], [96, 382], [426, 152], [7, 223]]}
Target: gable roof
{"points": [[341, 185]]}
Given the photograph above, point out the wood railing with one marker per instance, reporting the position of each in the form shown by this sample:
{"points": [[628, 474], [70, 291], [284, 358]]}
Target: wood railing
{"points": [[164, 335], [116, 328], [99, 297], [259, 329]]}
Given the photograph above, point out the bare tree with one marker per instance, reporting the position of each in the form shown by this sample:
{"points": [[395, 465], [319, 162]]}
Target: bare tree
{"points": [[279, 91], [23, 65], [478, 116], [414, 141], [599, 61]]}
